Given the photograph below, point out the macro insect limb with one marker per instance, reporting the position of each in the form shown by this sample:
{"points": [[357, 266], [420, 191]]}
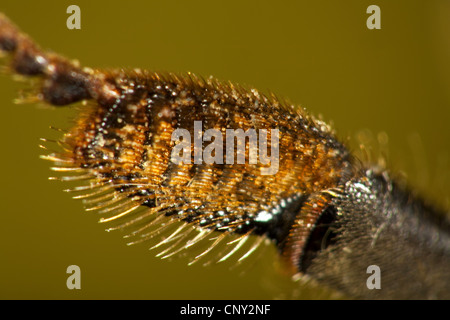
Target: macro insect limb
{"points": [[329, 215], [137, 113]]}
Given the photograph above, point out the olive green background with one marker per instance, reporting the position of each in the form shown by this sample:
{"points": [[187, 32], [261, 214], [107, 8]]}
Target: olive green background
{"points": [[319, 54]]}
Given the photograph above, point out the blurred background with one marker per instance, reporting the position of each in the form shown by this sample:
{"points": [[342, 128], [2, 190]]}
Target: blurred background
{"points": [[387, 88]]}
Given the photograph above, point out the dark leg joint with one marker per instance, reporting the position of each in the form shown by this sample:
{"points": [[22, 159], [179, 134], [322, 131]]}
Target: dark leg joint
{"points": [[7, 44], [65, 83], [322, 235], [65, 88], [29, 62]]}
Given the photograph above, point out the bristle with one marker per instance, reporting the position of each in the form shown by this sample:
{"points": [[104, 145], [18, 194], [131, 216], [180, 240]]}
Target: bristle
{"points": [[179, 244], [255, 246], [242, 240], [215, 243], [122, 212], [170, 237]]}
